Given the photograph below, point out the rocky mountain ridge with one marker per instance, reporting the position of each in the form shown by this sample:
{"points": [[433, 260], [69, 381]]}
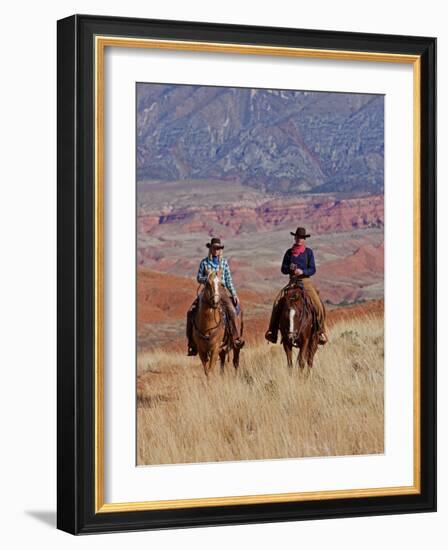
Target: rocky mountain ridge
{"points": [[282, 141]]}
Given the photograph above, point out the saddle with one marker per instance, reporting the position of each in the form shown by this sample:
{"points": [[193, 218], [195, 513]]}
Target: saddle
{"points": [[292, 291]]}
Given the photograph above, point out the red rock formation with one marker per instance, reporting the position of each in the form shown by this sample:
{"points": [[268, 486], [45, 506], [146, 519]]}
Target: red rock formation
{"points": [[367, 260], [320, 215]]}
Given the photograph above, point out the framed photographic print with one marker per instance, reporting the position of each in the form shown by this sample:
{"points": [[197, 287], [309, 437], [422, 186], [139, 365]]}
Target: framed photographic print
{"points": [[246, 274]]}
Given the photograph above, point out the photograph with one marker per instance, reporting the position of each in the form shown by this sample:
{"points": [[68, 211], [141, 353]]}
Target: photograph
{"points": [[246, 256], [259, 273], [222, 254]]}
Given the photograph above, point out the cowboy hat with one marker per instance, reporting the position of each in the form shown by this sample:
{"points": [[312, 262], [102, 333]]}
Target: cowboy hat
{"points": [[301, 232], [215, 243]]}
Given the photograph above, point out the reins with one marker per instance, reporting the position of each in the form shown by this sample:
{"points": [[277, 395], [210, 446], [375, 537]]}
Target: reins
{"points": [[211, 330]]}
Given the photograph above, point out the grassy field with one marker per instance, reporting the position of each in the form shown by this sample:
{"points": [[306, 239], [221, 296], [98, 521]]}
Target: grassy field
{"points": [[265, 410]]}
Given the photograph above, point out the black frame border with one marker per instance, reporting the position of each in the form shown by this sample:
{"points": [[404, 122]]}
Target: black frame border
{"points": [[76, 263]]}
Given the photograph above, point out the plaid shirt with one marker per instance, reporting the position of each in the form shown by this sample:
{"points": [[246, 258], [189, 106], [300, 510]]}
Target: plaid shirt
{"points": [[226, 277]]}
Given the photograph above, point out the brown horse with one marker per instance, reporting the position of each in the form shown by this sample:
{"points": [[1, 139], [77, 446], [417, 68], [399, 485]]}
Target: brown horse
{"points": [[298, 325], [210, 333]]}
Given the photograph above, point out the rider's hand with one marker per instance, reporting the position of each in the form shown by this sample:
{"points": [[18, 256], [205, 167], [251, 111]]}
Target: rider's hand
{"points": [[298, 271], [235, 300]]}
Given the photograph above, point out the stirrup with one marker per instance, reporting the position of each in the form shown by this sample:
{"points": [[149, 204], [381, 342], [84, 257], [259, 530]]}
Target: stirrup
{"points": [[192, 352]]}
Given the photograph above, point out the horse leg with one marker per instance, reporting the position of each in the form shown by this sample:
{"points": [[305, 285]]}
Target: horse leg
{"points": [[287, 346], [303, 359], [222, 358], [236, 358], [224, 353], [203, 355], [302, 354], [312, 348], [213, 357]]}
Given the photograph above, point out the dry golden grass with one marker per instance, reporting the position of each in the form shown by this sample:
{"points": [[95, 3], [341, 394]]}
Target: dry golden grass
{"points": [[265, 410]]}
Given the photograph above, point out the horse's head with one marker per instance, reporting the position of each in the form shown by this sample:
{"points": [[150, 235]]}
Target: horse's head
{"points": [[295, 313], [294, 296], [211, 290]]}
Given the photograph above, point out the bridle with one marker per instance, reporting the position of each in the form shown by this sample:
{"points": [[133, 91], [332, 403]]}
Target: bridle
{"points": [[211, 299], [305, 311]]}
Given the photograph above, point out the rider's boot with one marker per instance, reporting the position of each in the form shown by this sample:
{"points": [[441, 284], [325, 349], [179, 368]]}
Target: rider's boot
{"points": [[192, 350], [238, 343], [271, 336]]}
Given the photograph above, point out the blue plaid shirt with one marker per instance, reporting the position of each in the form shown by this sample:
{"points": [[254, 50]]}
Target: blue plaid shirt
{"points": [[226, 277]]}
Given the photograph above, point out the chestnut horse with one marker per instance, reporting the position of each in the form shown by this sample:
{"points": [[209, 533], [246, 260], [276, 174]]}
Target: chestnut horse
{"points": [[299, 325], [210, 333]]}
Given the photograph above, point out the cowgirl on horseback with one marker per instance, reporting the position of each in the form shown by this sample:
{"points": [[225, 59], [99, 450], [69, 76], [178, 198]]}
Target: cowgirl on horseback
{"points": [[229, 299], [298, 263]]}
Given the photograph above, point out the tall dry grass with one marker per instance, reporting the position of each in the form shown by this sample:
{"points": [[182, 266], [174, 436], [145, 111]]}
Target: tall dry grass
{"points": [[265, 411]]}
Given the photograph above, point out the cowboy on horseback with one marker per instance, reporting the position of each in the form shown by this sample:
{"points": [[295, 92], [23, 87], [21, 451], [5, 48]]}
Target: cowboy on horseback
{"points": [[215, 262], [298, 263]]}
